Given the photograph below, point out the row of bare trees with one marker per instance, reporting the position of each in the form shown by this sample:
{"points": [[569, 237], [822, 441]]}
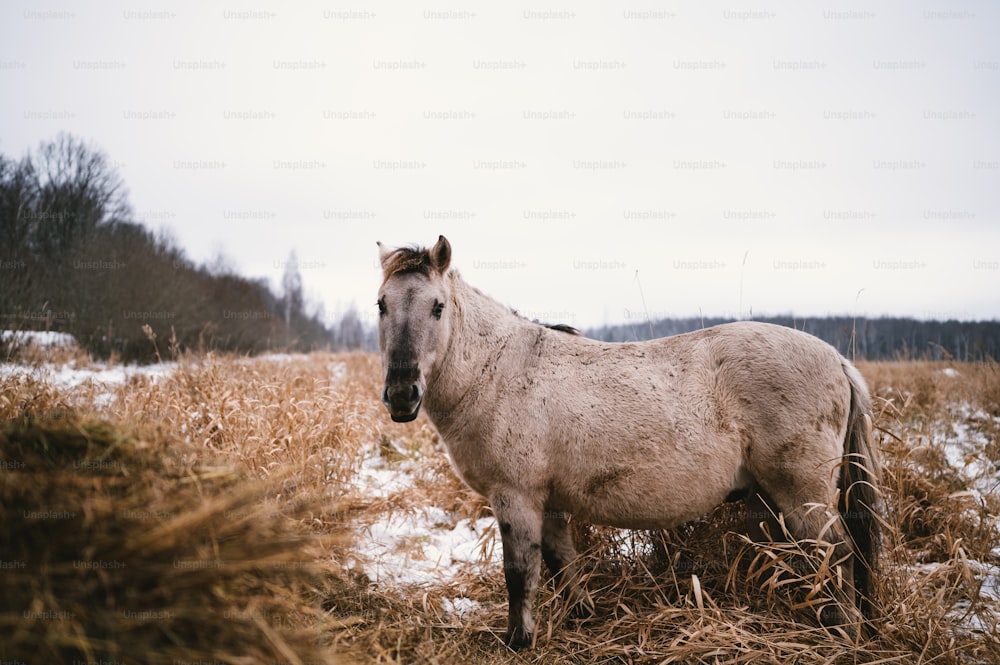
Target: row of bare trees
{"points": [[72, 259], [885, 338]]}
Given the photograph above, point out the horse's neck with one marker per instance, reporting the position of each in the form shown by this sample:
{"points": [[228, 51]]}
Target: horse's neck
{"points": [[481, 329]]}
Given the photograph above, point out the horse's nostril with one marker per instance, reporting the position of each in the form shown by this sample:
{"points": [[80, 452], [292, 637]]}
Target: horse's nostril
{"points": [[400, 395]]}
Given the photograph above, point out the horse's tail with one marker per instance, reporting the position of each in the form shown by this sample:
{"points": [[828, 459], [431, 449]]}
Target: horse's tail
{"points": [[859, 482]]}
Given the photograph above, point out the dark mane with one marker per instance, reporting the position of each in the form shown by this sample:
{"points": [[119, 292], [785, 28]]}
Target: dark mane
{"points": [[406, 260], [561, 327]]}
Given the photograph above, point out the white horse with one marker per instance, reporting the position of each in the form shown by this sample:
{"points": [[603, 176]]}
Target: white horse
{"points": [[546, 424]]}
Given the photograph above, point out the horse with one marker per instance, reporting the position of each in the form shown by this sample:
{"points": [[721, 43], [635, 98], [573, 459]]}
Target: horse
{"points": [[547, 424]]}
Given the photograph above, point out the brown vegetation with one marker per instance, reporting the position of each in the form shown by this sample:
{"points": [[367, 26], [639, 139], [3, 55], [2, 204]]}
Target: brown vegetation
{"points": [[258, 461]]}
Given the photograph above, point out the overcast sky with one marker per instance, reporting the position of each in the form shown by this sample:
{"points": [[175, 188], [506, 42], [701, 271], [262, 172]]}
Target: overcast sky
{"points": [[722, 159]]}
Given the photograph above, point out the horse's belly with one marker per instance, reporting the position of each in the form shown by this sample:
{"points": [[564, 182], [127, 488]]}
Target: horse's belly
{"points": [[643, 516], [649, 500]]}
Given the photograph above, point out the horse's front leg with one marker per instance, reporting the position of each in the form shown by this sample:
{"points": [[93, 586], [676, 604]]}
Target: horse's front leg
{"points": [[520, 521]]}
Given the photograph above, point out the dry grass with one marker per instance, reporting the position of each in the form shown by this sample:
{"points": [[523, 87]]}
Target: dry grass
{"points": [[131, 550], [298, 430]]}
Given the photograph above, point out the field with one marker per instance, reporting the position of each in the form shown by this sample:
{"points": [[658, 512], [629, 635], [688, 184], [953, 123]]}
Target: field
{"points": [[267, 510]]}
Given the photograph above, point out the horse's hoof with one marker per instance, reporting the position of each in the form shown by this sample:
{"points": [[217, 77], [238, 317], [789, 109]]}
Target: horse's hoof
{"points": [[518, 638], [838, 622], [582, 610]]}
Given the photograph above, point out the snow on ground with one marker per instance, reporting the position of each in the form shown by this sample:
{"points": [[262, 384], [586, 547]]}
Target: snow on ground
{"points": [[378, 478], [988, 575], [105, 378], [460, 607], [965, 445], [44, 338], [70, 377], [338, 371], [429, 547], [426, 546]]}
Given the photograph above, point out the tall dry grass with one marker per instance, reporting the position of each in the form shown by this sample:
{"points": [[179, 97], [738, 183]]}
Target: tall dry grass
{"points": [[124, 545], [700, 593]]}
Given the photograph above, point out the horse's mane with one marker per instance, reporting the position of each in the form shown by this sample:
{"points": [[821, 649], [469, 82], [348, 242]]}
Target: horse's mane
{"points": [[406, 260], [560, 327]]}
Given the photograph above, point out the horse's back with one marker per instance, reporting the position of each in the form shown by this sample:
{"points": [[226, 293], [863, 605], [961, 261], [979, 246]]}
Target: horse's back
{"points": [[727, 404], [746, 358], [773, 384]]}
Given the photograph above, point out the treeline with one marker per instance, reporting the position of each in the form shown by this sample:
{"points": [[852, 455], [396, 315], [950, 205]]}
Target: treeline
{"points": [[73, 259], [872, 339]]}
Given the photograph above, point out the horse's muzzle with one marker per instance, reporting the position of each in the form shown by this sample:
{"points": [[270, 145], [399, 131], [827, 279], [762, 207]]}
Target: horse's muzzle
{"points": [[402, 401]]}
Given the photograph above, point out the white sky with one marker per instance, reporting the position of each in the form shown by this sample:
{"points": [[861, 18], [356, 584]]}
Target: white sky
{"points": [[838, 146]]}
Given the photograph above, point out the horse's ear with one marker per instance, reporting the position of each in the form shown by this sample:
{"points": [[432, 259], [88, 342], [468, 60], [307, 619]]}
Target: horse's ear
{"points": [[383, 253], [440, 254]]}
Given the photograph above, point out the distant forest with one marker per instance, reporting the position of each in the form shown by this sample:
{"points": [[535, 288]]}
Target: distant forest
{"points": [[73, 259], [871, 339]]}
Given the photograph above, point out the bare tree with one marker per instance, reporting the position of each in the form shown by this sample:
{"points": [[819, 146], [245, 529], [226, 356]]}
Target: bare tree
{"points": [[291, 293], [17, 200], [77, 190], [349, 332]]}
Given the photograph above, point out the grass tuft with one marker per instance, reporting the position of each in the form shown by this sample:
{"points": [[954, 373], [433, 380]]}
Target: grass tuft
{"points": [[123, 549]]}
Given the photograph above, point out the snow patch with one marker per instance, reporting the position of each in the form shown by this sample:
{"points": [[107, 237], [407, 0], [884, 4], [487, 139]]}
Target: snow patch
{"points": [[963, 439], [46, 338], [964, 447], [379, 479], [104, 380], [989, 594], [426, 548], [337, 372], [460, 607]]}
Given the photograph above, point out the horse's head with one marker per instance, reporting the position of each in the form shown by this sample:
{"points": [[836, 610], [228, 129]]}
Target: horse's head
{"points": [[413, 323]]}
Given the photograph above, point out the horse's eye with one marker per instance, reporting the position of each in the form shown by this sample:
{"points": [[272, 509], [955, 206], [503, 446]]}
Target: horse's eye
{"points": [[438, 308], [381, 307]]}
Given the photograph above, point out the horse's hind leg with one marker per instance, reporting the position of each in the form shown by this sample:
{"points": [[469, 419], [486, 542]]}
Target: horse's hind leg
{"points": [[816, 521], [521, 533], [760, 519], [560, 557]]}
